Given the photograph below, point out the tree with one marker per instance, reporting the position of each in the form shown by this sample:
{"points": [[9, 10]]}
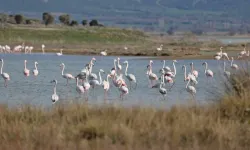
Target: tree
{"points": [[73, 23], [47, 18], [84, 22], [65, 19], [18, 19], [28, 21], [93, 23]]}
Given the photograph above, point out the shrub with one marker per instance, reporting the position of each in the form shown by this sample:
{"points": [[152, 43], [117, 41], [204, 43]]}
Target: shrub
{"points": [[65, 19], [93, 23], [73, 23], [85, 22], [48, 18], [28, 21], [19, 19]]}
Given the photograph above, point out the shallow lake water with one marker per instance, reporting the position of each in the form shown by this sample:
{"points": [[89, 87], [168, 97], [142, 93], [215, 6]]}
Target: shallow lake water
{"points": [[38, 90]]}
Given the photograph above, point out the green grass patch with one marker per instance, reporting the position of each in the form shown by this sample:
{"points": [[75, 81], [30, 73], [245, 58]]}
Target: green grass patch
{"points": [[70, 36]]}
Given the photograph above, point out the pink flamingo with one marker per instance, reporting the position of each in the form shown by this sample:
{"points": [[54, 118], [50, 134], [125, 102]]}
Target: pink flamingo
{"points": [[106, 85], [194, 72], [67, 75], [26, 71], [208, 72], [152, 77]]}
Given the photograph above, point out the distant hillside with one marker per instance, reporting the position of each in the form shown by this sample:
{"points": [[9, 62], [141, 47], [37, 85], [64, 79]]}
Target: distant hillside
{"points": [[184, 14], [239, 7]]}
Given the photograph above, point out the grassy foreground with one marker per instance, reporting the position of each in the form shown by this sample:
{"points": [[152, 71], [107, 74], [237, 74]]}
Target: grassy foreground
{"points": [[218, 126]]}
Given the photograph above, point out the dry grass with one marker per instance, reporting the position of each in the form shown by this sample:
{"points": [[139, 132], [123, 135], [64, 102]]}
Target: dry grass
{"points": [[223, 125]]}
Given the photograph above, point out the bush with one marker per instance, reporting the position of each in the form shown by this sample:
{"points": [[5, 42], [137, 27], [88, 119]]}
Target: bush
{"points": [[19, 19], [85, 22], [28, 21], [65, 19], [48, 18], [73, 23], [93, 23]]}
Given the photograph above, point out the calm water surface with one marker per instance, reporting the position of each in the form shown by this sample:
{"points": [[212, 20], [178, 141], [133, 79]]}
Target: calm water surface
{"points": [[38, 90]]}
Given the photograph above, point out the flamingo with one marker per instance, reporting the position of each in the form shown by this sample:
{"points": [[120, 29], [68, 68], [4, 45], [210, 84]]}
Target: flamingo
{"points": [[125, 48], [30, 49], [166, 68], [4, 75], [79, 88], [172, 74], [234, 66], [194, 72], [113, 70], [104, 53], [162, 90], [219, 53], [60, 54], [92, 76], [242, 53], [35, 71], [226, 73], [67, 75], [190, 89], [43, 46], [26, 71], [118, 65], [54, 96], [208, 72], [123, 89], [159, 48], [130, 77], [189, 76], [95, 82], [106, 85], [152, 77]]}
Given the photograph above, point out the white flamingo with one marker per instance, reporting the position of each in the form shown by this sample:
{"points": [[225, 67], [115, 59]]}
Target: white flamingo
{"points": [[170, 73], [194, 72], [118, 65], [26, 71], [106, 85], [4, 75], [234, 66], [95, 82], [190, 89], [43, 47], [162, 90], [242, 53], [35, 71], [79, 88], [54, 96], [104, 53], [60, 54], [159, 48], [67, 75], [92, 76], [130, 76], [208, 72], [152, 77], [189, 76], [166, 68]]}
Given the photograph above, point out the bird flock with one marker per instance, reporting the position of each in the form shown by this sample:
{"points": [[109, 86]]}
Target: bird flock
{"points": [[86, 80]]}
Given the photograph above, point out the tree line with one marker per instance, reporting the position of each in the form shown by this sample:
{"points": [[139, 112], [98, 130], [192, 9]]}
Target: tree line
{"points": [[47, 19]]}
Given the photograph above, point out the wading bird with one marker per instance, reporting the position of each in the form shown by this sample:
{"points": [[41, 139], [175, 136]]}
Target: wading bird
{"points": [[35, 71], [67, 75], [130, 77], [54, 96], [26, 71], [4, 75]]}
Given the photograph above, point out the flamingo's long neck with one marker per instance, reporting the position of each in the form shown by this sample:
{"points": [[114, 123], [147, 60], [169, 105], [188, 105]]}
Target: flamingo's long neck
{"points": [[174, 69], [63, 70], [2, 68], [55, 88], [192, 67], [25, 65], [232, 61], [185, 72], [162, 80], [114, 64], [91, 66], [100, 77], [35, 66], [188, 83], [76, 81], [126, 70], [118, 62], [164, 63]]}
